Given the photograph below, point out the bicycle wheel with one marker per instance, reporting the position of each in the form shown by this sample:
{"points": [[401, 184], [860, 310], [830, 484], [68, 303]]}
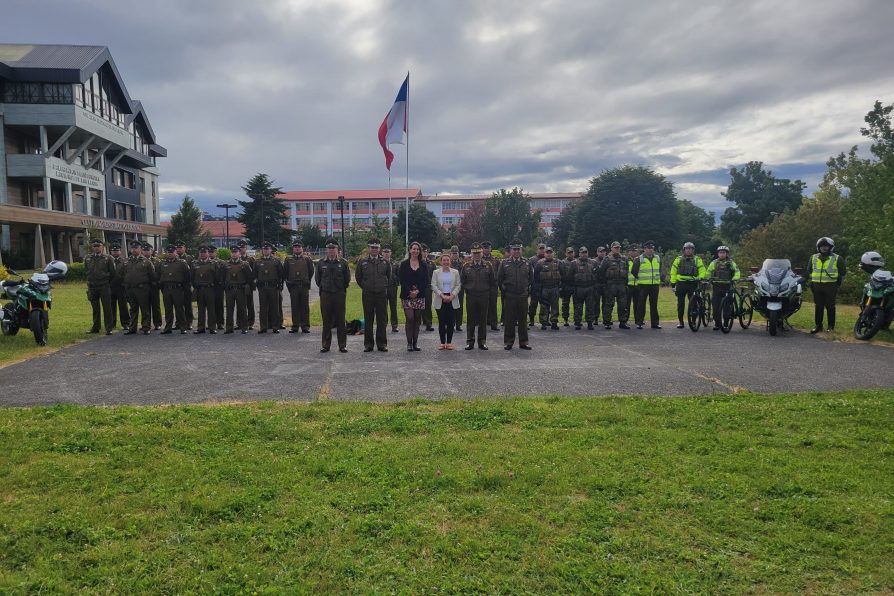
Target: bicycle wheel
{"points": [[707, 309], [694, 314], [746, 311], [726, 314]]}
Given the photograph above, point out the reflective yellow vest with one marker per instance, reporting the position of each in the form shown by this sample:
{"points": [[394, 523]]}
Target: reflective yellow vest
{"points": [[649, 270], [824, 271], [631, 281]]}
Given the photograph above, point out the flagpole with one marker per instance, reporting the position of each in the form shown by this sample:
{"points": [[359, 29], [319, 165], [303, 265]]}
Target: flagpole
{"points": [[407, 198], [390, 212]]}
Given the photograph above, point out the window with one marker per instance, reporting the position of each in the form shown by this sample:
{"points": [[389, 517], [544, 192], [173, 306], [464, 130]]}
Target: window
{"points": [[456, 205], [380, 205], [320, 207], [301, 207], [320, 221], [360, 205], [142, 185]]}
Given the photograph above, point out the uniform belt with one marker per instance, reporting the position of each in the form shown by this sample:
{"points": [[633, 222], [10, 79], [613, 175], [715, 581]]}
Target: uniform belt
{"points": [[131, 286], [203, 285], [268, 284], [167, 285], [236, 285]]}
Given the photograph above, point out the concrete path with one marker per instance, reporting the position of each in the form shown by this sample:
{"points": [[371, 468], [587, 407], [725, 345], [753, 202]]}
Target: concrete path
{"points": [[159, 369]]}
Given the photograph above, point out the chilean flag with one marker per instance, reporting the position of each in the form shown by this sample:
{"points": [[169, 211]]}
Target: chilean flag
{"points": [[394, 126]]}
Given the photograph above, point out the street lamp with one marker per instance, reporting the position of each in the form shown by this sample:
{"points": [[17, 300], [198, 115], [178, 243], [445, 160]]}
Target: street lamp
{"points": [[341, 207], [226, 207]]}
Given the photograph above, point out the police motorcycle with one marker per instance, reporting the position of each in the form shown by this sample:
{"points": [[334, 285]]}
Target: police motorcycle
{"points": [[877, 303], [31, 302], [777, 292]]}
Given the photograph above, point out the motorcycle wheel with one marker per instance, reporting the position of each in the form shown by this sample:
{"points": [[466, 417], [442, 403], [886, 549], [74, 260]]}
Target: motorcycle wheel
{"points": [[693, 315], [773, 322], [726, 314], [39, 323], [746, 312], [869, 323]]}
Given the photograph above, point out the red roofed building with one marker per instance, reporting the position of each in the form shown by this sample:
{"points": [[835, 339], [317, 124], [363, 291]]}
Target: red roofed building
{"points": [[321, 207], [219, 231]]}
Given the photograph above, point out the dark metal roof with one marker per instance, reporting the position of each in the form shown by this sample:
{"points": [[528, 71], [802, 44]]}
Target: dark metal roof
{"points": [[24, 56]]}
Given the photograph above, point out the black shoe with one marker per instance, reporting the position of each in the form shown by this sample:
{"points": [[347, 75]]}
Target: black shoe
{"points": [[324, 350], [639, 325], [128, 332], [608, 326], [220, 327], [189, 328], [92, 331], [276, 331], [816, 329], [157, 327], [623, 326], [228, 331], [830, 329], [409, 348], [590, 326], [146, 332], [530, 323], [526, 347], [108, 332], [394, 330], [566, 324], [251, 327], [416, 348], [294, 330], [212, 332], [281, 327], [576, 327], [383, 349], [656, 326], [244, 331], [494, 328], [716, 327], [470, 347], [165, 332], [305, 330], [482, 346], [183, 332], [343, 350], [367, 349], [260, 331], [459, 328], [543, 327], [680, 325], [554, 327], [199, 332], [507, 347]]}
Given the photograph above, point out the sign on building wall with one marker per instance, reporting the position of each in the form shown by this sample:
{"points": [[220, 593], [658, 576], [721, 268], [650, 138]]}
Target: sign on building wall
{"points": [[108, 224], [59, 169], [102, 128]]}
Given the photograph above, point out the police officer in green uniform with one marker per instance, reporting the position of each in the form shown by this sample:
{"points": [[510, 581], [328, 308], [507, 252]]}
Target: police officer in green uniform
{"points": [[534, 299], [491, 260], [238, 276], [392, 287], [647, 271], [826, 274], [477, 277], [220, 290], [205, 273], [598, 284], [154, 290], [173, 277], [685, 272], [631, 279], [582, 275], [268, 279], [372, 275], [456, 261], [333, 276], [722, 272], [548, 275], [100, 269], [180, 249], [119, 296], [514, 279], [138, 276], [298, 270], [250, 304], [567, 287], [614, 269]]}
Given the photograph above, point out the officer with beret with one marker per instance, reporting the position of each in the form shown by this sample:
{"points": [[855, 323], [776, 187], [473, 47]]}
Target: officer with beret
{"points": [[100, 269], [514, 279], [119, 296], [491, 260], [478, 279], [138, 276], [154, 290], [250, 305], [238, 277], [205, 274], [180, 249], [268, 279], [373, 274], [298, 270], [333, 276], [173, 277]]}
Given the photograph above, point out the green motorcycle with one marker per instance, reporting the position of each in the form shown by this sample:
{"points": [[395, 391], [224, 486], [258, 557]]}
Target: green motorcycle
{"points": [[877, 304], [31, 302]]}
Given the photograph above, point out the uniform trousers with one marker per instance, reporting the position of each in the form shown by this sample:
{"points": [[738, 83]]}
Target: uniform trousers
{"points": [[549, 305], [207, 312], [120, 310], [476, 317], [533, 302], [332, 307], [375, 308], [392, 305], [138, 298], [643, 293], [684, 289], [268, 315], [101, 299], [566, 293], [583, 300], [174, 307], [824, 295], [615, 292], [299, 301], [514, 313], [237, 301]]}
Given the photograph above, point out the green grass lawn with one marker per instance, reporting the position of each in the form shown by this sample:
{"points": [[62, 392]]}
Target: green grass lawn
{"points": [[727, 494], [71, 317]]}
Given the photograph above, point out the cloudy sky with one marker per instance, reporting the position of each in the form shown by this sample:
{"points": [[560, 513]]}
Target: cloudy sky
{"points": [[540, 95]]}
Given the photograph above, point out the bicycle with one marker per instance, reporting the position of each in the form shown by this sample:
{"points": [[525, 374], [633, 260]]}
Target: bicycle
{"points": [[735, 305], [699, 311]]}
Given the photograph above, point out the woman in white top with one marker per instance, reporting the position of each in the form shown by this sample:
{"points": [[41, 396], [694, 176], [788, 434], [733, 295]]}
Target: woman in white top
{"points": [[445, 285]]}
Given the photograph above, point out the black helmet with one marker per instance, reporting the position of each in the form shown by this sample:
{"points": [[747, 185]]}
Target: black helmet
{"points": [[827, 241]]}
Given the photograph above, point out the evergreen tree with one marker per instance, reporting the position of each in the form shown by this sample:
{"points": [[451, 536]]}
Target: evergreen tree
{"points": [[759, 197], [424, 226], [186, 226], [264, 215], [507, 215]]}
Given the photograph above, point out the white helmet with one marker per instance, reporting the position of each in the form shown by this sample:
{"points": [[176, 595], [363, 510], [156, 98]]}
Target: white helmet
{"points": [[827, 241], [56, 269], [871, 261], [689, 245]]}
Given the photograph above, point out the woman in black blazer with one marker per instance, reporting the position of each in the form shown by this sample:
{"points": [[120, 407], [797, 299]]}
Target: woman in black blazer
{"points": [[414, 281]]}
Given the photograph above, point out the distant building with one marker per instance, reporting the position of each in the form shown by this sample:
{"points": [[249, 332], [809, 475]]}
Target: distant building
{"points": [[77, 153], [219, 231], [450, 209]]}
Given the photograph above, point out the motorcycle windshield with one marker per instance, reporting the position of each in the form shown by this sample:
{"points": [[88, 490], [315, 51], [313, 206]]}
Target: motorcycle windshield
{"points": [[776, 270]]}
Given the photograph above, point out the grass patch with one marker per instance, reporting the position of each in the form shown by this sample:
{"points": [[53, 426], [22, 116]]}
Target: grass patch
{"points": [[745, 493]]}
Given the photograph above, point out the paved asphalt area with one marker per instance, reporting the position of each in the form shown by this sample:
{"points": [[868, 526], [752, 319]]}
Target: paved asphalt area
{"points": [[160, 369]]}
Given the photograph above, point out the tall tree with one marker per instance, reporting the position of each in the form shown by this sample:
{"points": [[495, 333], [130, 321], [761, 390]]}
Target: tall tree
{"points": [[263, 215], [696, 226], [563, 228], [627, 203], [186, 226], [470, 230], [424, 226], [507, 215], [759, 196], [311, 236]]}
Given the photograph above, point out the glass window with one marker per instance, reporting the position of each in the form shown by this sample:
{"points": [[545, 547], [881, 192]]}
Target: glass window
{"points": [[302, 207], [320, 207]]}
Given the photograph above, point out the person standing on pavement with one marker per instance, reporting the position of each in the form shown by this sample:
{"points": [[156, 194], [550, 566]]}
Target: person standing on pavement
{"points": [[392, 287], [250, 304], [491, 260], [119, 296], [173, 276], [414, 279], [685, 273], [237, 278], [154, 290], [477, 279], [548, 274], [219, 289], [100, 269], [138, 276], [180, 249], [534, 299], [598, 284], [373, 274], [268, 279], [333, 276], [582, 275], [722, 272], [445, 284], [614, 269], [457, 262], [514, 279], [647, 271], [827, 271], [298, 270], [631, 279], [427, 319], [567, 287], [205, 273]]}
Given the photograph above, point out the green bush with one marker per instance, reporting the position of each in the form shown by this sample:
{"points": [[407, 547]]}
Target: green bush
{"points": [[223, 254], [76, 272]]}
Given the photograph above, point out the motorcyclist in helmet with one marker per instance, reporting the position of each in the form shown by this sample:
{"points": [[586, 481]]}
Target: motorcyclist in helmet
{"points": [[827, 271], [685, 272]]}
